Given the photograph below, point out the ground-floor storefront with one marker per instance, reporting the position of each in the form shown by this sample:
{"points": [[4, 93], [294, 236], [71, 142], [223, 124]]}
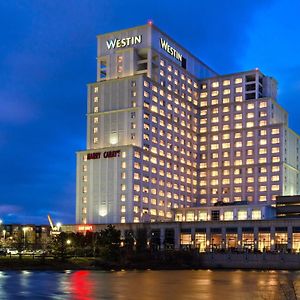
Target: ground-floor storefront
{"points": [[278, 235]]}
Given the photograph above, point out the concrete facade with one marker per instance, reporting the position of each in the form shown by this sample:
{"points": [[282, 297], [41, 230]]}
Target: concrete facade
{"points": [[166, 132]]}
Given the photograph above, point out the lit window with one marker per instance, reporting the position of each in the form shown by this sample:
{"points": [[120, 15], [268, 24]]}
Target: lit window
{"points": [[242, 215], [228, 215], [256, 214]]}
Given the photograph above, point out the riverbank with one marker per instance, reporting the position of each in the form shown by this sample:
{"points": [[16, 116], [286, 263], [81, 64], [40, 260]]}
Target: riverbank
{"points": [[180, 261]]}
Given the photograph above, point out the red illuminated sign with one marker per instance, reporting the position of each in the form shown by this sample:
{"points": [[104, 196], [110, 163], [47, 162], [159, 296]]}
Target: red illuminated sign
{"points": [[106, 154], [85, 228]]}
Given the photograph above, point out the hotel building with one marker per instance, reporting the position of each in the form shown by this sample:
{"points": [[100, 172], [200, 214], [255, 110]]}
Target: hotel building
{"points": [[169, 139]]}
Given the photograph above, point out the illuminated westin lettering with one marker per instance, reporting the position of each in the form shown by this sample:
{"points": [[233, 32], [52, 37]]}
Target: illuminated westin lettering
{"points": [[106, 154], [173, 52], [125, 42]]}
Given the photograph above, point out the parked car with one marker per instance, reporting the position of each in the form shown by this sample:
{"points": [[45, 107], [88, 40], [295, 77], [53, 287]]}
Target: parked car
{"points": [[27, 252], [12, 251], [39, 252]]}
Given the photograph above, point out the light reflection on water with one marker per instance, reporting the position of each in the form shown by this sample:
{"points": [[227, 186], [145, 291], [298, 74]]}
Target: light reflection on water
{"points": [[202, 284]]}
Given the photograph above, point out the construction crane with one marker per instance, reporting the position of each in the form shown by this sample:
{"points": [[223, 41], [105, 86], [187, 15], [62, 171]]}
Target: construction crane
{"points": [[55, 229]]}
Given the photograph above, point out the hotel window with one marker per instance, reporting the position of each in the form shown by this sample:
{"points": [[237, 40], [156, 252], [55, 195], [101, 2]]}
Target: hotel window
{"points": [[226, 100], [263, 142], [256, 214], [123, 165], [133, 93], [275, 140], [239, 90], [96, 99], [262, 188], [263, 114], [275, 168], [215, 84], [226, 92], [133, 103], [262, 198], [262, 151], [96, 120], [275, 131], [96, 89], [275, 159], [238, 99], [275, 178], [228, 215], [95, 130], [262, 179], [202, 216], [95, 140], [95, 109], [242, 215], [262, 123], [133, 83], [250, 179], [250, 106], [263, 104], [238, 80], [226, 82]]}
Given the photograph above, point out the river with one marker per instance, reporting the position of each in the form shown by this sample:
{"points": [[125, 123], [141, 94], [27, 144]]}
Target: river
{"points": [[198, 284]]}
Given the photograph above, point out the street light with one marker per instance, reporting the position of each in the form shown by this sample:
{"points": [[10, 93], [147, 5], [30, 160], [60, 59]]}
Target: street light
{"points": [[58, 225], [68, 242]]}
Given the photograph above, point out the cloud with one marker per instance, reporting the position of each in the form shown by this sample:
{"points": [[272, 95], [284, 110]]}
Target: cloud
{"points": [[9, 209]]}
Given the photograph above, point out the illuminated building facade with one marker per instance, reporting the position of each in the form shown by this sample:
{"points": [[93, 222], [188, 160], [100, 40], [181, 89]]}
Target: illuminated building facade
{"points": [[166, 134]]}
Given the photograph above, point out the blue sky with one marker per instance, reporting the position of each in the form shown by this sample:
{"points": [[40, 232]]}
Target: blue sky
{"points": [[47, 56]]}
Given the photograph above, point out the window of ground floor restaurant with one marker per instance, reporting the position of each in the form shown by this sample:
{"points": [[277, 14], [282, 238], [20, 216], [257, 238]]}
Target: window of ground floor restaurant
{"points": [[248, 241], [185, 240], [216, 241], [281, 241], [231, 241], [296, 242], [200, 241], [264, 242]]}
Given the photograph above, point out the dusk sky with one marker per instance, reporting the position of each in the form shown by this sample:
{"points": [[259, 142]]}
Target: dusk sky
{"points": [[48, 55]]}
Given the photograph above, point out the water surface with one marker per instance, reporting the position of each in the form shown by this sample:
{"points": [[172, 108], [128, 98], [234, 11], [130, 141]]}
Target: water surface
{"points": [[202, 284]]}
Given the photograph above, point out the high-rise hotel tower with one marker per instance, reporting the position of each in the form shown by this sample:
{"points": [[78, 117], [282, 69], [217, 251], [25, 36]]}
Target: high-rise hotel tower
{"points": [[165, 132]]}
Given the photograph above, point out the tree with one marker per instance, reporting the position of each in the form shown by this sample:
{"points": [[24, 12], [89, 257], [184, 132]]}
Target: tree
{"points": [[109, 243]]}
